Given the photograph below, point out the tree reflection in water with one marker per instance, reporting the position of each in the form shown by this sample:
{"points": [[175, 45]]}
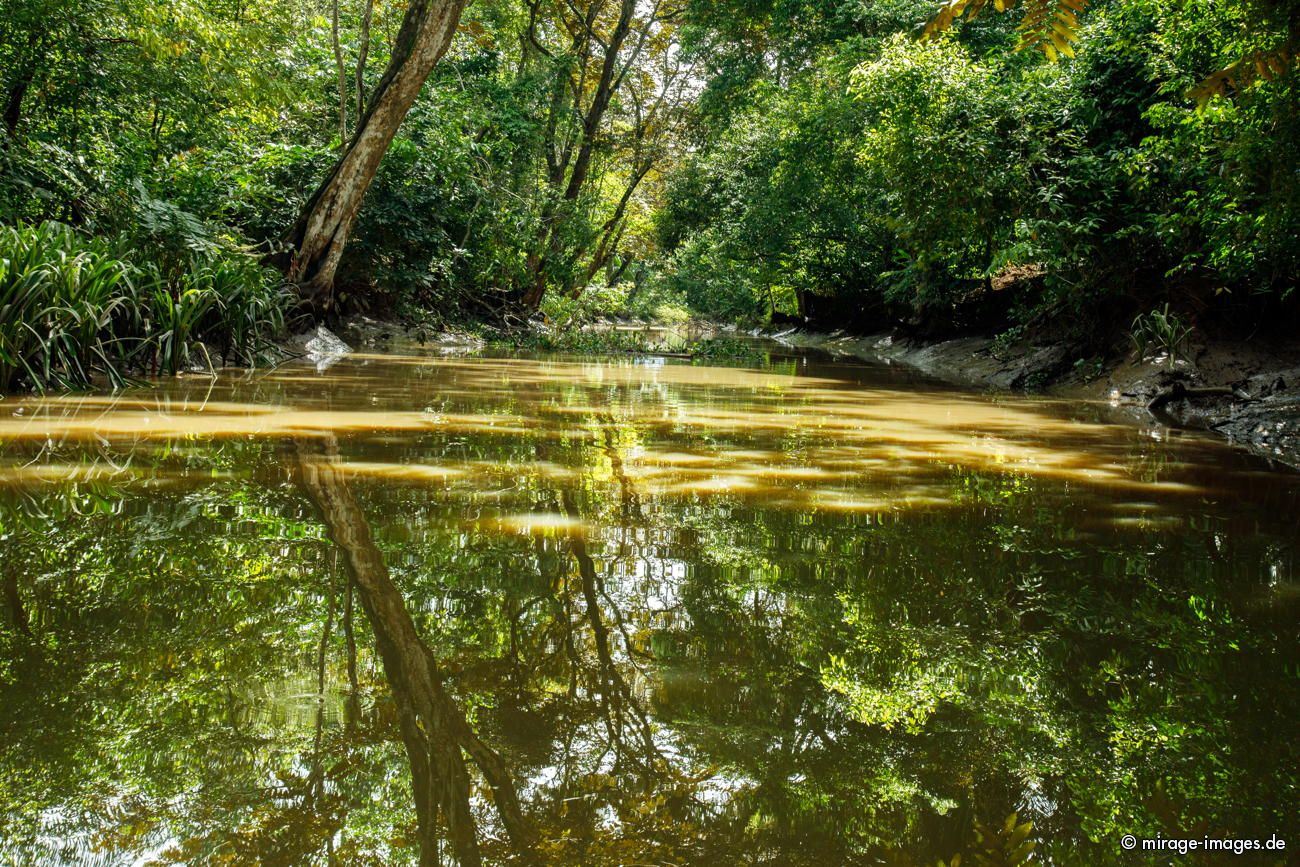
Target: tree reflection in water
{"points": [[434, 729], [628, 616]]}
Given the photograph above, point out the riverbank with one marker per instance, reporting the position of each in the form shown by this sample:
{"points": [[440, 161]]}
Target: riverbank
{"points": [[1244, 391]]}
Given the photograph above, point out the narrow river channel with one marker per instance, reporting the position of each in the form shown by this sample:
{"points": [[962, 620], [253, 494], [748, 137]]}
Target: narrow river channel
{"points": [[428, 609]]}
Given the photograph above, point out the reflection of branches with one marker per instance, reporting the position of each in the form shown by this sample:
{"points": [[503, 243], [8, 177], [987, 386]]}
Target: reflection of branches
{"points": [[317, 777], [350, 641], [630, 501], [619, 704], [434, 728]]}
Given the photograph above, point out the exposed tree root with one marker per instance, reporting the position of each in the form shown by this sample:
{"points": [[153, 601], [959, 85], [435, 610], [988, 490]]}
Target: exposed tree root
{"points": [[1178, 391]]}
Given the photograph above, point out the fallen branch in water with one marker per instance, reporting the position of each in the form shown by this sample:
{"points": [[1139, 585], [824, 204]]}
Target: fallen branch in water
{"points": [[1178, 391]]}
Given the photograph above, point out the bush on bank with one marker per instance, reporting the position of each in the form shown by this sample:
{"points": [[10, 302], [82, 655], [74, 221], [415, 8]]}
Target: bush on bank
{"points": [[894, 180], [74, 307]]}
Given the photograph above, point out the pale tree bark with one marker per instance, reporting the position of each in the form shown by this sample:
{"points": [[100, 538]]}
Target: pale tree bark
{"points": [[319, 237]]}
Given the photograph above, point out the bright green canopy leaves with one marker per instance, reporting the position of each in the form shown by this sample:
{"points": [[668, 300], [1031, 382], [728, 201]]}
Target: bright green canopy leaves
{"points": [[890, 179]]}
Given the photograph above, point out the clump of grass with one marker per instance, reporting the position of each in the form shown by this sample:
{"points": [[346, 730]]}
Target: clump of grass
{"points": [[72, 307], [227, 301], [252, 302], [1164, 332], [173, 313]]}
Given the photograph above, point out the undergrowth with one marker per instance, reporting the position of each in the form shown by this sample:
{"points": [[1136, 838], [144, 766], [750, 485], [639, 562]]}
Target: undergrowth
{"points": [[73, 307], [601, 341]]}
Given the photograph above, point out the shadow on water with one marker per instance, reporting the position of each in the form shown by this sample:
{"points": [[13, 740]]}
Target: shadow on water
{"points": [[632, 612]]}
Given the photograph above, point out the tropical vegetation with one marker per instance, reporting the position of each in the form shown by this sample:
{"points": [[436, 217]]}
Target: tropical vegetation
{"points": [[857, 163]]}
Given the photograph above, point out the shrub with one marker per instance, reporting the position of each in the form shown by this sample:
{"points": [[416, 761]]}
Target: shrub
{"points": [[61, 300], [72, 306], [598, 301], [935, 142], [1162, 331]]}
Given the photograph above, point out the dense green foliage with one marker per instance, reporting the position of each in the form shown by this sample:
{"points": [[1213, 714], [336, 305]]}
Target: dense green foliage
{"points": [[743, 157], [883, 179], [707, 613], [227, 115], [73, 306]]}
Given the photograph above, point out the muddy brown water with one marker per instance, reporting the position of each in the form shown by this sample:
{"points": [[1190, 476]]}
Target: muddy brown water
{"points": [[419, 608]]}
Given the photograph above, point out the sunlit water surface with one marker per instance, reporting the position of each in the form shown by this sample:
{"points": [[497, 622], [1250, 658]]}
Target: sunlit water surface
{"points": [[792, 613]]}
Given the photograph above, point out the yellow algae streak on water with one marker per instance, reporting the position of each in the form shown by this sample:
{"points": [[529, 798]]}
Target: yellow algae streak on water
{"points": [[165, 422], [34, 474], [399, 472], [665, 429], [533, 524]]}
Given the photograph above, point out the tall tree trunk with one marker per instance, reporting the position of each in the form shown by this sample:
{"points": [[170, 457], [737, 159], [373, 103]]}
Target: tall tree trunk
{"points": [[13, 111], [321, 233], [612, 231], [16, 89], [363, 51], [350, 641], [552, 238], [615, 274], [316, 777], [14, 600]]}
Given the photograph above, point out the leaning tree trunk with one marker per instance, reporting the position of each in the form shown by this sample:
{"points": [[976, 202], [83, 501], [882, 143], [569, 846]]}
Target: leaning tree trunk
{"points": [[16, 91], [322, 230]]}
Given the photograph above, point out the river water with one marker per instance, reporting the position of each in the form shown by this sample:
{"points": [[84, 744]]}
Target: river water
{"points": [[422, 608]]}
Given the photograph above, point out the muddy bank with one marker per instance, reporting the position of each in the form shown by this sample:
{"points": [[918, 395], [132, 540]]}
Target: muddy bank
{"points": [[1248, 393]]}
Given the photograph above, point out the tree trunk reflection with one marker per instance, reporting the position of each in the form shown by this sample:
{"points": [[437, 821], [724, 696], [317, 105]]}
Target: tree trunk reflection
{"points": [[434, 729]]}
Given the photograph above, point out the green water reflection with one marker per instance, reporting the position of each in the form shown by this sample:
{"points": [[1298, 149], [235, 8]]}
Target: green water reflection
{"points": [[418, 610]]}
